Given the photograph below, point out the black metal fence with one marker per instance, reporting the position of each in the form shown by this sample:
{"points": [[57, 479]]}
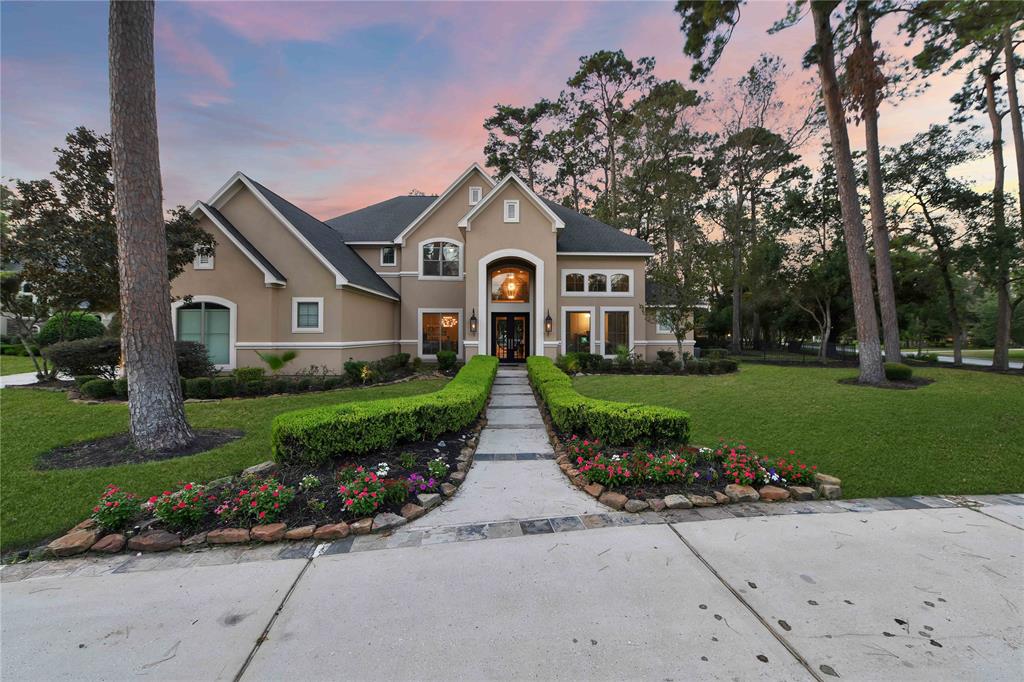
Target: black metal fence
{"points": [[796, 352]]}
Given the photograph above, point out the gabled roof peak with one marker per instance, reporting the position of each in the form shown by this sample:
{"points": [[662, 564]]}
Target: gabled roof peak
{"points": [[556, 222]]}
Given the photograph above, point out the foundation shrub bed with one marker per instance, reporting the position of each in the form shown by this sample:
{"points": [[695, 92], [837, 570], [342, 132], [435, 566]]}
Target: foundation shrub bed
{"points": [[644, 474], [628, 363], [612, 422], [314, 436]]}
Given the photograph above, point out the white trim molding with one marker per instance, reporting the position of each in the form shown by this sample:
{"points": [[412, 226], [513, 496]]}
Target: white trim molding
{"points": [[565, 327], [319, 300], [607, 272], [400, 239], [419, 329], [467, 220], [484, 295], [269, 278], [313, 345], [605, 253], [632, 321], [232, 322], [431, 240]]}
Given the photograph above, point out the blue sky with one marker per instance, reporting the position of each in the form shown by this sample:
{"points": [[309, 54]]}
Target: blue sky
{"points": [[338, 105]]}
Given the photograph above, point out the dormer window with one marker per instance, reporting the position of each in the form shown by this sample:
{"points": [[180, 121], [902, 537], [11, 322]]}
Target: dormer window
{"points": [[475, 194], [512, 211], [203, 262]]}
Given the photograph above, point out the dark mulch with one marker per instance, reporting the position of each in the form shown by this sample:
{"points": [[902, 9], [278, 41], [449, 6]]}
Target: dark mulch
{"points": [[114, 450], [909, 385]]}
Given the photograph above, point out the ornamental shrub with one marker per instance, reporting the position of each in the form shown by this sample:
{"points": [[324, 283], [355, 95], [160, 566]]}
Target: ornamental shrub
{"points": [[181, 509], [121, 388], [446, 360], [257, 387], [223, 387], [303, 384], [666, 357], [99, 356], [115, 508], [613, 422], [331, 383], [278, 385], [70, 326], [714, 353], [198, 388], [98, 389], [354, 370], [83, 379], [249, 373], [313, 436], [897, 371], [193, 360]]}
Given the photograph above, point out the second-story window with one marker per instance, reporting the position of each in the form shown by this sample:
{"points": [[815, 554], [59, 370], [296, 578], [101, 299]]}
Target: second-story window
{"points": [[512, 211], [441, 259], [475, 194], [387, 255]]}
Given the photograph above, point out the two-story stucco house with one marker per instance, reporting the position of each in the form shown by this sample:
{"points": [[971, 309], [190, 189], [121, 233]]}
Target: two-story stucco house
{"points": [[485, 267]]}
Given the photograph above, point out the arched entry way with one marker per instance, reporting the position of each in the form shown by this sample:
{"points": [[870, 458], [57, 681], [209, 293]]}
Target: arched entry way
{"points": [[510, 298]]}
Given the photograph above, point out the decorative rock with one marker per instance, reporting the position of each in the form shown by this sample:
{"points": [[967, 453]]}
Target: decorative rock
{"points": [[447, 489], [227, 536], [411, 511], [85, 525], [362, 526], [462, 466], [260, 470], [457, 477], [701, 500], [802, 492], [830, 492], [594, 489], [465, 454], [741, 493], [677, 502], [154, 541], [827, 480], [657, 504], [219, 483], [270, 532], [771, 493], [301, 533], [193, 540], [561, 459], [578, 481], [572, 472], [330, 531], [721, 498], [635, 506], [387, 521], [613, 500], [110, 544], [75, 542], [428, 500]]}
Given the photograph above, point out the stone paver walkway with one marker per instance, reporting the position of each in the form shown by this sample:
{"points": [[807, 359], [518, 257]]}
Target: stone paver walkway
{"points": [[514, 475]]}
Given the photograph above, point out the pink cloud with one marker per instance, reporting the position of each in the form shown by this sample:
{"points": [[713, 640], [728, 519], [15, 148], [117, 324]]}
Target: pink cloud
{"points": [[189, 55]]}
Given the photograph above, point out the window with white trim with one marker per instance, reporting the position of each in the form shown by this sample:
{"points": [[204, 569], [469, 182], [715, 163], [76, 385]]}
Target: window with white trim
{"points": [[511, 210], [441, 259], [307, 315], [616, 330], [597, 282], [475, 194], [203, 262], [574, 281], [388, 255], [439, 331], [663, 326]]}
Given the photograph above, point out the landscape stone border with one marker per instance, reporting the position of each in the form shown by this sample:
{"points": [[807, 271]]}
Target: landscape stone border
{"points": [[826, 488], [87, 535]]}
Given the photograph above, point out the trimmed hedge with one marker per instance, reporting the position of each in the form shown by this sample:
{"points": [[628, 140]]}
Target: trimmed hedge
{"points": [[98, 356], [315, 435], [896, 371], [98, 389], [613, 422]]}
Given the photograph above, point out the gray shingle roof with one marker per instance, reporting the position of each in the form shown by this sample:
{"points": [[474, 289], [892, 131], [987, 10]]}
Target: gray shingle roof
{"points": [[329, 243], [381, 222], [384, 221], [246, 244]]}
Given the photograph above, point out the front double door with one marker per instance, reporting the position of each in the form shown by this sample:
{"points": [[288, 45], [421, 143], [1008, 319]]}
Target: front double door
{"points": [[510, 336]]}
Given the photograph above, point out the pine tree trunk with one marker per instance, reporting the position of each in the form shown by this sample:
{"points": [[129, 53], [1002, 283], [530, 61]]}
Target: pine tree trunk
{"points": [[1015, 115], [879, 229], [1001, 354], [156, 411], [869, 348]]}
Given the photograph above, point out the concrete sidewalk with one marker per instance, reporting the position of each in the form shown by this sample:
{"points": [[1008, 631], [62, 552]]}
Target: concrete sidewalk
{"points": [[911, 594]]}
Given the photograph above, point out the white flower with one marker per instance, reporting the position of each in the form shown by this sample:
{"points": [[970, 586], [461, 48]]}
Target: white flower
{"points": [[383, 468]]}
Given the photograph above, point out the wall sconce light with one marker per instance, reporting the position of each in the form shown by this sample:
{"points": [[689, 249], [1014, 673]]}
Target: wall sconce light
{"points": [[472, 321], [548, 323]]}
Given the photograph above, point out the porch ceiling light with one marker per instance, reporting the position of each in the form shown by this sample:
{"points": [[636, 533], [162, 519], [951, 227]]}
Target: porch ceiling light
{"points": [[548, 323], [472, 321]]}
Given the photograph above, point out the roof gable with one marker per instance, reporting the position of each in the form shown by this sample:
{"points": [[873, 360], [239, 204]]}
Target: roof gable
{"points": [[437, 203], [467, 220], [271, 275]]}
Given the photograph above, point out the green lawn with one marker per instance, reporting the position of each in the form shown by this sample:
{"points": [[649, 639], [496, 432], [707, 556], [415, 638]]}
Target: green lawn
{"points": [[39, 504], [962, 434], [15, 364], [1015, 353]]}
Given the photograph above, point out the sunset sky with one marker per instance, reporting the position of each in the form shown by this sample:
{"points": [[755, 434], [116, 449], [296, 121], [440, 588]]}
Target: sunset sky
{"points": [[339, 105]]}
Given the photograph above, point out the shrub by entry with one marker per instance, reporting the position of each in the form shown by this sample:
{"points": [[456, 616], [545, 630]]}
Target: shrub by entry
{"points": [[315, 435], [613, 422]]}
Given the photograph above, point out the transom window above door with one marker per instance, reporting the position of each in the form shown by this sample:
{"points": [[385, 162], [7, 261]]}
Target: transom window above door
{"points": [[510, 284], [441, 259]]}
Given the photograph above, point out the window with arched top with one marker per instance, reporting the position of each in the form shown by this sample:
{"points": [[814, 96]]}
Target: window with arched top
{"points": [[574, 281], [597, 282], [510, 284], [441, 259]]}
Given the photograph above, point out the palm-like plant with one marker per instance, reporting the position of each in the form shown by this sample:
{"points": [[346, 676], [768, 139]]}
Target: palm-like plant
{"points": [[277, 361]]}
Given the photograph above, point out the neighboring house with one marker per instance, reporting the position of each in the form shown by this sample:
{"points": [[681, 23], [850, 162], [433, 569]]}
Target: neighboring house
{"points": [[483, 268]]}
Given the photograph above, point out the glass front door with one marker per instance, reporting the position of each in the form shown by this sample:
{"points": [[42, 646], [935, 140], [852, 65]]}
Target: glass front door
{"points": [[510, 336]]}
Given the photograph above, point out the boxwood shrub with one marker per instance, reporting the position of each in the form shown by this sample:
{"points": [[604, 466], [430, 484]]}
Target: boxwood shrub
{"points": [[223, 387], [896, 371], [98, 389], [313, 436], [121, 388], [198, 387], [613, 422]]}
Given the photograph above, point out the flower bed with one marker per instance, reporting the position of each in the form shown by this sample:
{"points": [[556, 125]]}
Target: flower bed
{"points": [[684, 477]]}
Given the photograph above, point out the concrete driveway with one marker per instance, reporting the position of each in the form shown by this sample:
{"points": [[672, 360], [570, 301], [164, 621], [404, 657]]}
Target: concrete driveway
{"points": [[858, 594]]}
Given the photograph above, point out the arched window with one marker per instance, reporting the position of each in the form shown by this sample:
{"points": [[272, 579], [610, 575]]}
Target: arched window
{"points": [[574, 281], [210, 325], [441, 259], [597, 282], [510, 284], [620, 283]]}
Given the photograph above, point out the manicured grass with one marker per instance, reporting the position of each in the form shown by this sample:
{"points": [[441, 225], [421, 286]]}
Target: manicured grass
{"points": [[962, 434], [1015, 353], [39, 504], [15, 364]]}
